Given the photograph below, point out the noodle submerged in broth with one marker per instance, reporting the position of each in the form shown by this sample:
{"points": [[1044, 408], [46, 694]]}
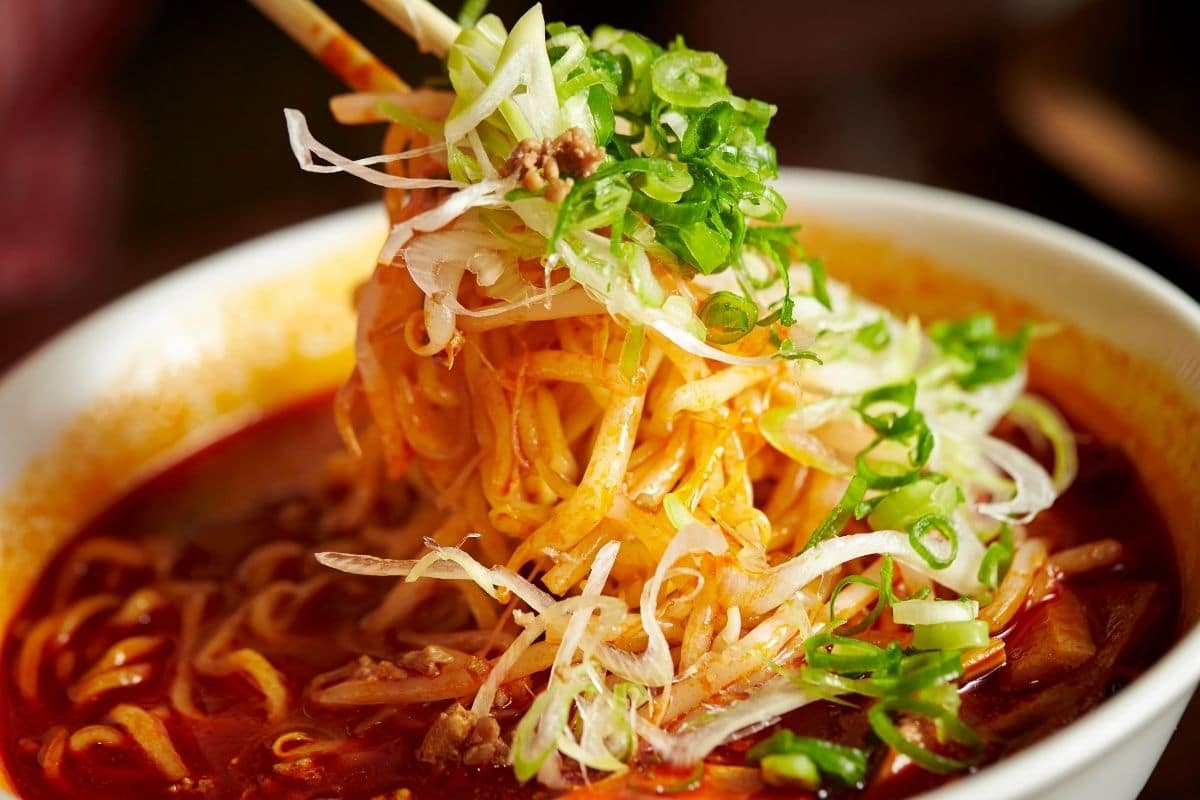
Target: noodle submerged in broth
{"points": [[189, 645], [634, 498]]}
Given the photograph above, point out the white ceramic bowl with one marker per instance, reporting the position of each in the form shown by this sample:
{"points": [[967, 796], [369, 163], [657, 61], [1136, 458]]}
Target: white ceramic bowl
{"points": [[175, 363]]}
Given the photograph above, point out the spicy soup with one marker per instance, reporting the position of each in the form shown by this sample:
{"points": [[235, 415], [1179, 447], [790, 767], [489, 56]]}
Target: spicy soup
{"points": [[136, 665]]}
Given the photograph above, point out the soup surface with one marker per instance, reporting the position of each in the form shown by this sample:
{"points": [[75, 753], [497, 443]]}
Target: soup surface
{"points": [[188, 645]]}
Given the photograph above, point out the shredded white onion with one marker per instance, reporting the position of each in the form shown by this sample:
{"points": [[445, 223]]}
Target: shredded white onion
{"points": [[524, 62], [1037, 416], [654, 666], [698, 738], [611, 611], [485, 194], [1034, 490], [450, 564], [305, 146], [601, 567], [759, 597]]}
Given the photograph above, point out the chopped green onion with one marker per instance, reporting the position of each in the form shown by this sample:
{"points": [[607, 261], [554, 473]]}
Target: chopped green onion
{"points": [[402, 116], [526, 763], [689, 78], [888, 423], [918, 531], [788, 760], [631, 351], [907, 504], [727, 316], [886, 596], [790, 770], [668, 187], [962, 635], [778, 244], [921, 672], [686, 163], [997, 559], [845, 655], [887, 475], [670, 212], [704, 245], [874, 336], [848, 764], [831, 686], [789, 352], [604, 122], [567, 211], [708, 130], [840, 514], [1033, 412], [881, 723], [903, 425], [820, 291], [988, 357], [919, 684], [470, 12], [677, 511], [928, 612]]}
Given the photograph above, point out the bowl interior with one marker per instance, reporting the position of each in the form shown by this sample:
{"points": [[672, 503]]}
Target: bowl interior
{"points": [[165, 371], [173, 365]]}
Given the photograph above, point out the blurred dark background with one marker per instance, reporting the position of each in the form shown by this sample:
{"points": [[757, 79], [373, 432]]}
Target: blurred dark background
{"points": [[136, 136]]}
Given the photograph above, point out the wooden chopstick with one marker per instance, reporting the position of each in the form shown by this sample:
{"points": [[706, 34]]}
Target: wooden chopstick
{"points": [[432, 30], [341, 53]]}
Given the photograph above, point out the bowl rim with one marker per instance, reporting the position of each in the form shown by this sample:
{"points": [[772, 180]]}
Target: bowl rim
{"points": [[1170, 680]]}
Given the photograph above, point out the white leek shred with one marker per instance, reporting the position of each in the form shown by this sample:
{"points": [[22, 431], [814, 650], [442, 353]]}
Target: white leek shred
{"points": [[594, 266], [1039, 417], [485, 194], [760, 594], [523, 62], [438, 260], [732, 630], [696, 739], [601, 567], [556, 614], [305, 146], [443, 563], [1034, 491], [654, 667]]}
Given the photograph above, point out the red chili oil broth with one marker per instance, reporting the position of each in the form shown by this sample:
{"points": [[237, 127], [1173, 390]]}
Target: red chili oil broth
{"points": [[226, 499]]}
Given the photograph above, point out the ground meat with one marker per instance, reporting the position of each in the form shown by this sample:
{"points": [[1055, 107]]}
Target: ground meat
{"points": [[426, 661], [456, 737], [484, 745], [370, 669], [576, 153], [553, 165], [443, 743]]}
